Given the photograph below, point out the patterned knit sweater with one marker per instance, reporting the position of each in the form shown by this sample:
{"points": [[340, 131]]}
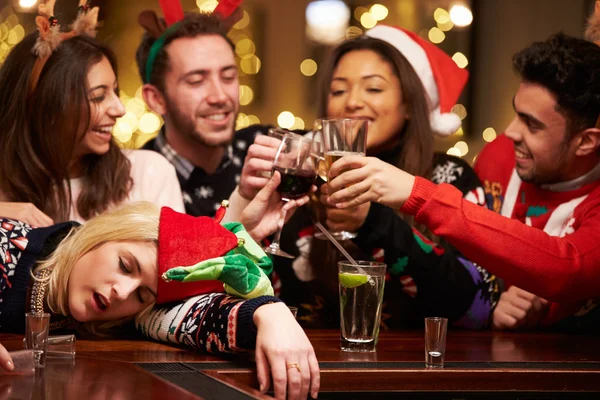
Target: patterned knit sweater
{"points": [[215, 322], [546, 240], [423, 279]]}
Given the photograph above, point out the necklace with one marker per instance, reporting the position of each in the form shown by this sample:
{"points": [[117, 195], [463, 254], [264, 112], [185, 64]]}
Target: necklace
{"points": [[40, 283], [38, 293]]}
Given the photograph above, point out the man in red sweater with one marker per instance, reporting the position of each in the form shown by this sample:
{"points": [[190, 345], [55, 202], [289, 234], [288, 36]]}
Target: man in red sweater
{"points": [[542, 179]]}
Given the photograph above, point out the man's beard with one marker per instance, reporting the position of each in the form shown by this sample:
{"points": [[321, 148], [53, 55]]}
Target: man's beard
{"points": [[186, 127], [547, 177]]}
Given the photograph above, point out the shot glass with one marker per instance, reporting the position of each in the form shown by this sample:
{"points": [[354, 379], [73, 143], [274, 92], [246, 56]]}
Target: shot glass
{"points": [[36, 335], [23, 362], [59, 346], [361, 297], [435, 341]]}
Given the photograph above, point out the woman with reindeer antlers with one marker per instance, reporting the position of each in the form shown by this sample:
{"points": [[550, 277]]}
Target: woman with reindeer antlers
{"points": [[58, 105]]}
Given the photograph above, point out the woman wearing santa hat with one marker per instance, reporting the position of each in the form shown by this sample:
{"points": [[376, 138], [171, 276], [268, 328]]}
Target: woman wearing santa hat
{"points": [[405, 86], [183, 280]]}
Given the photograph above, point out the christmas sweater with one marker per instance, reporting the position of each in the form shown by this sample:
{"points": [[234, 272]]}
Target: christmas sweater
{"points": [[213, 323], [202, 192], [545, 240], [423, 279]]}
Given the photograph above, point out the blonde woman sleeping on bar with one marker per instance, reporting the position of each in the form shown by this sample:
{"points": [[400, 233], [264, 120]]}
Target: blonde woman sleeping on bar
{"points": [[123, 265]]}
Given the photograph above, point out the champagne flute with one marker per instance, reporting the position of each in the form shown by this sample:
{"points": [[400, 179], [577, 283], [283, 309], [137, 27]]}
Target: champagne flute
{"points": [[340, 137], [295, 161]]}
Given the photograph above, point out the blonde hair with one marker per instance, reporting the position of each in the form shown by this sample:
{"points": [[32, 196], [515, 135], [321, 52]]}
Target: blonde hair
{"points": [[132, 222]]}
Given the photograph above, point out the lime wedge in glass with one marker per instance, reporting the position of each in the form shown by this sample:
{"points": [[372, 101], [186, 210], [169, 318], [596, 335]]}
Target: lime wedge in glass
{"points": [[350, 280]]}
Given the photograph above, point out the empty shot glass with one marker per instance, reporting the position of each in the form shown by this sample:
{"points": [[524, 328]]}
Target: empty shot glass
{"points": [[23, 362], [361, 298], [36, 335], [59, 346], [435, 341]]}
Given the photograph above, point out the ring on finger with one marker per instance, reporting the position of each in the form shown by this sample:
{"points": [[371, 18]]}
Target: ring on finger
{"points": [[293, 365]]}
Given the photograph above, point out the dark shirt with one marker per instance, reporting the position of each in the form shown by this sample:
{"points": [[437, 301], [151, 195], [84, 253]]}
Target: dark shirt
{"points": [[423, 279], [202, 192]]}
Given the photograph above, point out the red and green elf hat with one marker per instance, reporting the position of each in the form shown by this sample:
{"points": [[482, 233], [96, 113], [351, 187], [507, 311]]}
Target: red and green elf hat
{"points": [[197, 255]]}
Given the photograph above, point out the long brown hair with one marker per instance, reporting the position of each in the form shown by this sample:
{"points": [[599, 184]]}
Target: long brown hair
{"points": [[414, 142], [416, 138], [39, 131]]}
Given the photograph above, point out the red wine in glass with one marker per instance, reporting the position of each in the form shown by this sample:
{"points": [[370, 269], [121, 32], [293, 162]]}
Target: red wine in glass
{"points": [[294, 183]]}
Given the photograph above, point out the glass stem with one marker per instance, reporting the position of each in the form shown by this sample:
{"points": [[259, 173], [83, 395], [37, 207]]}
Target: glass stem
{"points": [[278, 235]]}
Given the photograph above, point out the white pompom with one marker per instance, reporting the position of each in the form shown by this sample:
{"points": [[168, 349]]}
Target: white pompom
{"points": [[444, 124]]}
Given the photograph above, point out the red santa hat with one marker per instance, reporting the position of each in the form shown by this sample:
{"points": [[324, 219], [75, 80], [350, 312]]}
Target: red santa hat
{"points": [[186, 240], [442, 78]]}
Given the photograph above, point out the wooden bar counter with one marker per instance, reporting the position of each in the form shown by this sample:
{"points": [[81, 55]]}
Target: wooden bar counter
{"points": [[478, 365]]}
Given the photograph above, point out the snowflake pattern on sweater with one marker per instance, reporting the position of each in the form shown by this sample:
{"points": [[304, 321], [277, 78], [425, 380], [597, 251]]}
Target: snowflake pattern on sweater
{"points": [[202, 193], [423, 278], [13, 242]]}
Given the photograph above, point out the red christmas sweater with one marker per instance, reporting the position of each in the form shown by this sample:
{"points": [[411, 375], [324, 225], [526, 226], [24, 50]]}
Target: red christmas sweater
{"points": [[546, 240]]}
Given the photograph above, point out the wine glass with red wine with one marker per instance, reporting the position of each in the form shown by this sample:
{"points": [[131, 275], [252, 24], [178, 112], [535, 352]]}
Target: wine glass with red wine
{"points": [[295, 161]]}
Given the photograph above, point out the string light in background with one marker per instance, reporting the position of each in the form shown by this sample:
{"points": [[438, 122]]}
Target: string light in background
{"points": [[453, 151], [489, 134], [379, 12], [139, 124], [359, 11], [436, 35], [242, 121], [353, 31], [11, 31], [463, 147], [327, 21], [298, 123], [27, 3], [243, 23], [441, 16], [253, 120], [246, 95], [308, 67], [286, 120], [442, 19], [461, 15], [250, 66], [367, 20], [460, 59], [459, 110]]}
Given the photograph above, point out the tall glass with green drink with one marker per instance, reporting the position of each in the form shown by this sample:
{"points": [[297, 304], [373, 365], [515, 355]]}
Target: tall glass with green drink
{"points": [[361, 297]]}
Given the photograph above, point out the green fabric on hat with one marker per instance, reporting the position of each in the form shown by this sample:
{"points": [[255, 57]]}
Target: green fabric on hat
{"points": [[250, 248], [243, 270], [203, 271]]}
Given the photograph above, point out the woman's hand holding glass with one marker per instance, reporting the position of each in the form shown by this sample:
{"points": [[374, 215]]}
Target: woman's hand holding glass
{"points": [[297, 163], [349, 219], [261, 217], [355, 180], [339, 138], [284, 353]]}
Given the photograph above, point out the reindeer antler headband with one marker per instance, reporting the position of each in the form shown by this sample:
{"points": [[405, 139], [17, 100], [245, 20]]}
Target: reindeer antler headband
{"points": [[51, 36], [173, 13], [592, 31]]}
